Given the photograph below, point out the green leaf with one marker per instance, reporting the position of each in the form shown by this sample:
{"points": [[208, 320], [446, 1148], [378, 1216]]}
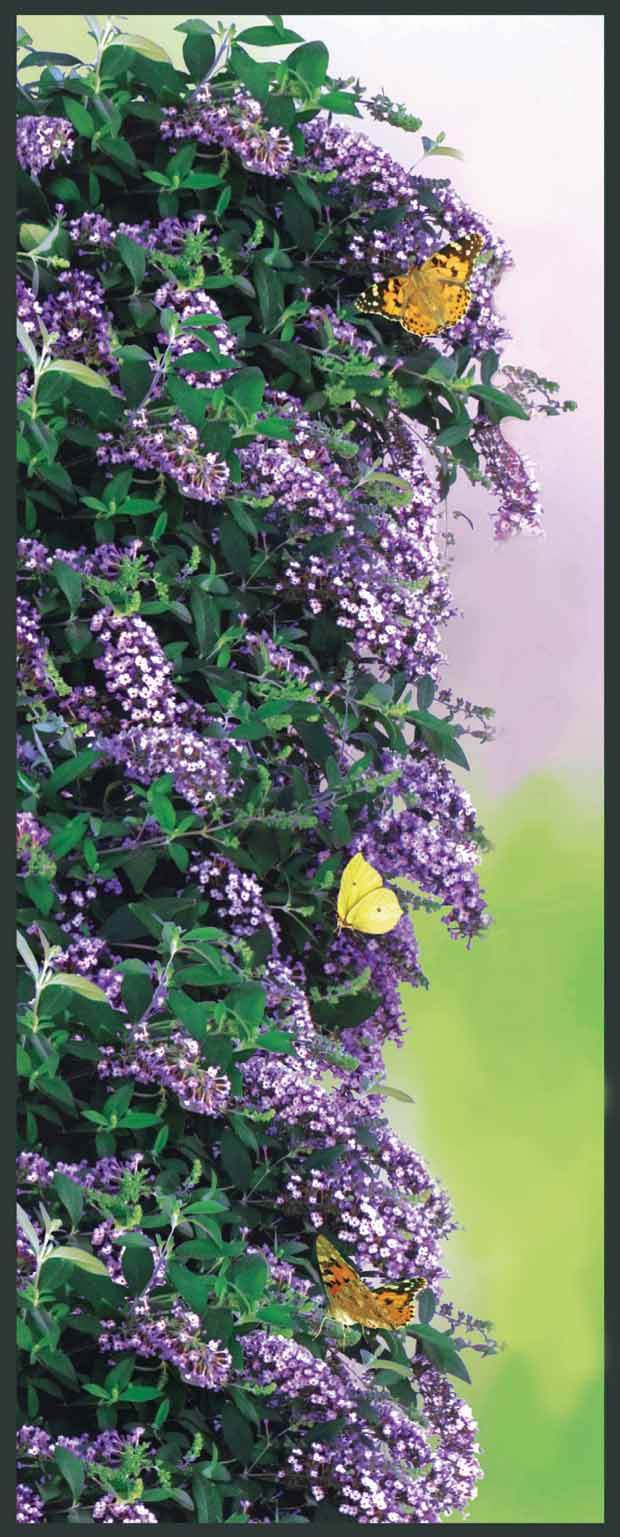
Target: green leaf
{"points": [[268, 37], [70, 582], [81, 373], [140, 865], [136, 989], [438, 1346], [253, 75], [73, 1470], [138, 1265], [134, 257], [77, 984], [136, 374], [250, 1276], [236, 1160], [246, 388], [119, 151], [74, 768], [388, 1090], [41, 893], [237, 1434], [458, 432], [504, 403], [80, 1257], [340, 101], [146, 47], [194, 1289], [71, 1195], [234, 546], [289, 354], [317, 743], [198, 53], [207, 1499], [269, 292], [192, 402], [489, 364], [298, 219], [276, 1040], [206, 975], [427, 1303], [248, 1002], [78, 115], [310, 63]]}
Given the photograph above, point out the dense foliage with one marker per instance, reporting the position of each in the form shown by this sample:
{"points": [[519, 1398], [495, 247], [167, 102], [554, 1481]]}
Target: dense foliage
{"points": [[233, 580]]}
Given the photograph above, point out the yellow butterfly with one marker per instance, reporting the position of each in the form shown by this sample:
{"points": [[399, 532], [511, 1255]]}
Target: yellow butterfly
{"points": [[391, 1305], [429, 298], [364, 903]]}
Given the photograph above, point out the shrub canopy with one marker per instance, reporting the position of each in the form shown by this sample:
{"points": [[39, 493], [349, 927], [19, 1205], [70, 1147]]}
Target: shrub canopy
{"points": [[233, 584]]}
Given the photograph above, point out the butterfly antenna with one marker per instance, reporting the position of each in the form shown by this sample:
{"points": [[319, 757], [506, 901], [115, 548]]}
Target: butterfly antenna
{"points": [[318, 1331]]}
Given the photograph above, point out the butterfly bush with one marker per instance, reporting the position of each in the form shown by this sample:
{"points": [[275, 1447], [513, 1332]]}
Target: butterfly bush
{"points": [[234, 552]]}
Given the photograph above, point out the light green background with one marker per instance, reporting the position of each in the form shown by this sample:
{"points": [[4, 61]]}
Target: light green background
{"points": [[505, 1062], [505, 1052]]}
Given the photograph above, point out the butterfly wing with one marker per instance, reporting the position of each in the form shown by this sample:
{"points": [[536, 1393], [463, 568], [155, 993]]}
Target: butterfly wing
{"points": [[440, 296], [358, 879], [387, 299], [346, 1292], [396, 1302], [351, 1301], [376, 913], [429, 298], [454, 262]]}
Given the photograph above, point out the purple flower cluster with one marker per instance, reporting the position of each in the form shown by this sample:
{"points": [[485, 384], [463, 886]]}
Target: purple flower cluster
{"points": [[41, 141], [401, 1470], [174, 1064], [32, 653], [158, 735], [512, 477], [384, 580], [111, 1510], [172, 449], [187, 304], [103, 1452], [235, 125], [431, 839], [77, 318], [29, 1506], [176, 1338], [31, 840], [367, 175]]}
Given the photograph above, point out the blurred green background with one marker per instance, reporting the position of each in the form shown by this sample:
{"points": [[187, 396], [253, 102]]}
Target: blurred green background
{"points": [[505, 1052], [505, 1062]]}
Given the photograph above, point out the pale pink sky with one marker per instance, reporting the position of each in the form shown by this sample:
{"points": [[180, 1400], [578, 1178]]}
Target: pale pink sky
{"points": [[521, 96]]}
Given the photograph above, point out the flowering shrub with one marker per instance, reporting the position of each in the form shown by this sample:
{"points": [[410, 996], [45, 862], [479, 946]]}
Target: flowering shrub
{"points": [[233, 585]]}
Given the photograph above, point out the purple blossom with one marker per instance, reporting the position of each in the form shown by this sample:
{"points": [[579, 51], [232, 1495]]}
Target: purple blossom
{"points": [[29, 1506], [188, 304], [41, 141], [512, 477], [235, 124], [172, 449], [176, 1338], [33, 661], [174, 1064], [110, 1510], [431, 839], [31, 840]]}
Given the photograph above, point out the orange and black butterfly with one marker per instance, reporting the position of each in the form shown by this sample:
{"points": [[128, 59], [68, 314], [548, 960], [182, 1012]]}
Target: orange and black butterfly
{"points": [[391, 1305], [429, 298]]}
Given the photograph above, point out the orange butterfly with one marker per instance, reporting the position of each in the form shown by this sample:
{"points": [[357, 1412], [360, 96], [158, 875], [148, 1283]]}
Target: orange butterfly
{"points": [[390, 1305], [429, 298]]}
